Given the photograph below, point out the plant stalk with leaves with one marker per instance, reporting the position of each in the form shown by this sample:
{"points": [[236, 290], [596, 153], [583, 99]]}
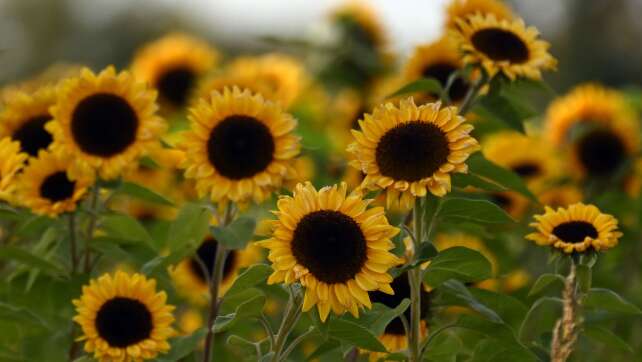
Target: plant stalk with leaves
{"points": [[567, 328]]}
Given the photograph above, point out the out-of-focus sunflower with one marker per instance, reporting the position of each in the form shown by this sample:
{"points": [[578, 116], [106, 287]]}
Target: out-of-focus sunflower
{"points": [[633, 183], [173, 65], [362, 23], [502, 46], [105, 121], [305, 170], [598, 126], [190, 278], [462, 9], [23, 118], [123, 318], [347, 108], [409, 150], [46, 188], [438, 60], [240, 146], [11, 162], [47, 78], [189, 321], [334, 246], [394, 337], [514, 203], [578, 228], [560, 196]]}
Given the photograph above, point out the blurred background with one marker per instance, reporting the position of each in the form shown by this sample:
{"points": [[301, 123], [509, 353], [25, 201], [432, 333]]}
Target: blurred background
{"points": [[593, 39]]}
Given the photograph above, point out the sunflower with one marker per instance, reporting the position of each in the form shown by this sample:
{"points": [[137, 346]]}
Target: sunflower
{"points": [[46, 188], [502, 46], [462, 9], [49, 77], [361, 22], [408, 150], [577, 228], [105, 121], [23, 118], [438, 60], [173, 65], [190, 278], [597, 124], [560, 196], [123, 318], [11, 163], [347, 108], [240, 146], [335, 247]]}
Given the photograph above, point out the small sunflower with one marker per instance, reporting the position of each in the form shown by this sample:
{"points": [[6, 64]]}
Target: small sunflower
{"points": [[334, 246], [408, 150], [11, 163], [46, 188], [361, 22], [577, 228], [438, 60], [123, 318], [24, 116], [240, 146], [462, 9], [502, 46], [105, 121], [597, 124], [190, 278], [173, 65]]}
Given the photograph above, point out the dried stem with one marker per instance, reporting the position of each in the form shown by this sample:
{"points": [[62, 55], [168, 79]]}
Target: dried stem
{"points": [[567, 328]]}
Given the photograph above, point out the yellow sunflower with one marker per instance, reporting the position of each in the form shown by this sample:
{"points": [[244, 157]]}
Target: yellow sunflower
{"points": [[11, 163], [49, 77], [462, 9], [577, 228], [190, 278], [23, 118], [123, 318], [240, 146], [408, 150], [560, 196], [105, 121], [502, 46], [347, 108], [46, 188], [362, 22], [597, 124], [173, 65], [334, 246]]}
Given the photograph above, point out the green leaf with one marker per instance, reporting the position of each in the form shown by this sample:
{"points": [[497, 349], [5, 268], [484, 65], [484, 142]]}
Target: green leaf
{"points": [[463, 180], [603, 335], [235, 235], [249, 309], [12, 253], [190, 226], [143, 193], [479, 166], [162, 262], [182, 346], [504, 339], [539, 319], [608, 300], [326, 347], [510, 309], [255, 274], [584, 277], [459, 263], [544, 281], [425, 85], [387, 315], [354, 334], [426, 252], [231, 302], [126, 227], [480, 211], [492, 350], [459, 290], [21, 315]]}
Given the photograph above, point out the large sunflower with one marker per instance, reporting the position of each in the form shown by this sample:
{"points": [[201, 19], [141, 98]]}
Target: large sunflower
{"points": [[191, 280], [577, 228], [46, 188], [24, 116], [105, 121], [123, 318], [173, 65], [11, 162], [362, 23], [240, 146], [599, 127], [462, 9], [334, 246], [408, 150], [502, 46]]}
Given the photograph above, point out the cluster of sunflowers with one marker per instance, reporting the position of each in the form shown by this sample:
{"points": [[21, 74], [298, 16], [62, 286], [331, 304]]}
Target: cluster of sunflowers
{"points": [[401, 195]]}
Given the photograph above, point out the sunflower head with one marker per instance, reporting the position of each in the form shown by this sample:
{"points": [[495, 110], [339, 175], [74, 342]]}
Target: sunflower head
{"points": [[240, 146], [12, 160], [409, 150], [105, 121], [578, 228], [24, 116], [361, 23], [502, 46], [462, 9], [123, 318], [172, 65], [336, 247]]}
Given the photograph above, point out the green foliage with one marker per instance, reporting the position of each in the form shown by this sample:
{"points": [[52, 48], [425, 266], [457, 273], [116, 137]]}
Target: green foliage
{"points": [[235, 235], [459, 263], [355, 334]]}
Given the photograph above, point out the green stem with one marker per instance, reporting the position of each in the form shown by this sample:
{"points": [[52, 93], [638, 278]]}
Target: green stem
{"points": [[72, 242], [93, 218], [414, 279], [471, 95], [290, 318]]}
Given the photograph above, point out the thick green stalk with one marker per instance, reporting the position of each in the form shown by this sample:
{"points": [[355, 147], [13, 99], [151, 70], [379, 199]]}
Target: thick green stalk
{"points": [[290, 318]]}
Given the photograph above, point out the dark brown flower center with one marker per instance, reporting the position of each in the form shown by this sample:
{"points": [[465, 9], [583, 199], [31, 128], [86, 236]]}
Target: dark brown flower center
{"points": [[175, 85], [575, 231], [601, 152], [412, 151], [206, 253], [123, 322], [502, 201], [526, 170], [500, 45], [442, 72], [104, 125], [57, 187], [331, 245], [240, 147], [33, 136]]}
